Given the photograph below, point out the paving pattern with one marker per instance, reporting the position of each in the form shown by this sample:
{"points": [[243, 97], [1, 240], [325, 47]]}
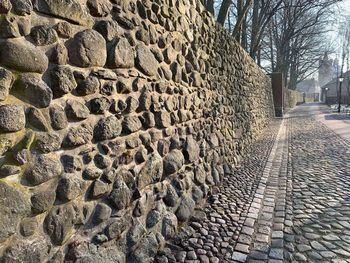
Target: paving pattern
{"points": [[289, 201]]}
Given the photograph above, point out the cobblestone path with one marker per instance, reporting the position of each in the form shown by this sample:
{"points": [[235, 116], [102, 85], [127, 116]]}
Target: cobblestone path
{"points": [[289, 201]]}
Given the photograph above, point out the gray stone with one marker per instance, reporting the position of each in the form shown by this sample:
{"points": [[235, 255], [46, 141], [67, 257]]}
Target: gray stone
{"points": [[58, 117], [153, 217], [102, 213], [120, 196], [48, 142], [42, 201], [5, 6], [91, 253], [68, 9], [12, 26], [185, 208], [163, 147], [6, 79], [135, 233], [59, 54], [99, 189], [69, 187], [173, 162], [146, 61], [102, 161], [171, 197], [169, 225], [151, 172], [42, 169], [141, 156], [26, 251], [162, 119], [117, 227], [145, 100], [22, 57], [108, 29], [88, 85], [7, 170], [146, 249], [200, 174], [37, 119], [62, 81], [132, 104], [32, 89], [58, 224], [13, 206], [121, 54], [12, 118], [22, 7], [131, 124], [88, 49], [64, 29], [28, 226], [107, 128], [191, 150], [99, 105], [99, 8], [91, 173], [71, 163], [43, 35], [78, 135], [148, 120], [77, 110]]}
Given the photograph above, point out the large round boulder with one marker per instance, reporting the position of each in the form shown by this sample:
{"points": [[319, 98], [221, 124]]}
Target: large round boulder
{"points": [[88, 49], [22, 57]]}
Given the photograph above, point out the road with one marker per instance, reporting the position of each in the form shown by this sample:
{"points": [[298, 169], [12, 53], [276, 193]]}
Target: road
{"points": [[289, 201]]}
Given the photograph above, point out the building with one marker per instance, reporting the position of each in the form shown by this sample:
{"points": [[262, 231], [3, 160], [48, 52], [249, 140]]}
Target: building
{"points": [[310, 88], [330, 91], [327, 70]]}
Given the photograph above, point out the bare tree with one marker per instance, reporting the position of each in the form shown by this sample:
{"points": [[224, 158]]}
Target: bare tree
{"points": [[297, 28], [288, 33]]}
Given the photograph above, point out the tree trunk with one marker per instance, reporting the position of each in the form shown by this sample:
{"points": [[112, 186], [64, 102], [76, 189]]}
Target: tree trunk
{"points": [[255, 29], [210, 6], [241, 12], [224, 8], [244, 41], [272, 56]]}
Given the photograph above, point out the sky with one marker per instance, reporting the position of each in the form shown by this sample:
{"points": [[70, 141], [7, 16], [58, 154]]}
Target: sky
{"points": [[346, 6]]}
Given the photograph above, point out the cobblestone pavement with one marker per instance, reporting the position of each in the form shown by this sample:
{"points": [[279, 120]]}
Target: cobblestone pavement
{"points": [[289, 201]]}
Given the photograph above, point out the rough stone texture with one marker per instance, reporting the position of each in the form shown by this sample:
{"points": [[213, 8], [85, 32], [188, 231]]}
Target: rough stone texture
{"points": [[5, 6], [129, 115], [62, 81], [6, 79], [146, 61], [14, 205], [22, 56], [43, 35], [88, 49], [107, 128], [71, 10], [12, 118], [31, 88], [42, 169], [121, 55]]}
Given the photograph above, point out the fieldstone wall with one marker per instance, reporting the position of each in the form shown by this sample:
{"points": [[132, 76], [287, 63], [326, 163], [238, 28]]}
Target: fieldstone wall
{"points": [[116, 120]]}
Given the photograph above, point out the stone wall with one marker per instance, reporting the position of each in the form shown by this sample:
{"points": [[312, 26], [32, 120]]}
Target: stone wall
{"points": [[116, 120], [292, 98]]}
